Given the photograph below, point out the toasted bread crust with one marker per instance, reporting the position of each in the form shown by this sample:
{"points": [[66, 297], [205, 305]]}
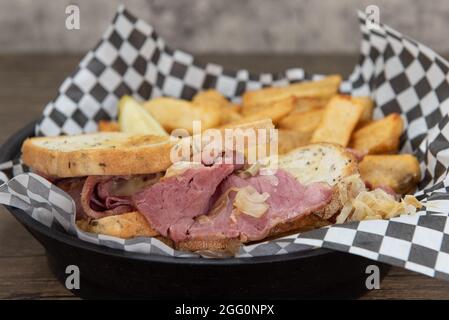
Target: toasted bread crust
{"points": [[133, 224], [147, 157], [321, 157], [332, 208], [107, 153], [218, 245], [126, 225], [302, 224]]}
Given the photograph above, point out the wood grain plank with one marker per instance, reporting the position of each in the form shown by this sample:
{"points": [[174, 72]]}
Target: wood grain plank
{"points": [[28, 278], [15, 241], [404, 284]]}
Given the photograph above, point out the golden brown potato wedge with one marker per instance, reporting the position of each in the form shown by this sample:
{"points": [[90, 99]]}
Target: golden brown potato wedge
{"points": [[362, 125], [380, 136], [306, 121], [176, 113], [275, 112], [209, 98], [302, 105], [292, 139], [263, 124], [399, 172], [324, 88], [310, 103], [235, 107], [108, 126], [228, 115], [340, 117], [368, 106]]}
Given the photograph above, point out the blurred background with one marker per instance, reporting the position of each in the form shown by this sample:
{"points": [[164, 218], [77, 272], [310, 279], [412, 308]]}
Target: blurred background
{"points": [[217, 26]]}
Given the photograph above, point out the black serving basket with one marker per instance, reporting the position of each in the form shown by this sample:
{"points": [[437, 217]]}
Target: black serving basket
{"points": [[111, 273]]}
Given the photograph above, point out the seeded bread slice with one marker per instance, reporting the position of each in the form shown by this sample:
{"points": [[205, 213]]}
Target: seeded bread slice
{"points": [[320, 162], [126, 225], [106, 153]]}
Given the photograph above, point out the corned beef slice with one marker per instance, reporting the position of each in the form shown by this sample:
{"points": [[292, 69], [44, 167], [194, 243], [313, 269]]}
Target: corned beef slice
{"points": [[97, 201], [102, 196], [185, 206], [289, 200], [74, 186], [171, 204]]}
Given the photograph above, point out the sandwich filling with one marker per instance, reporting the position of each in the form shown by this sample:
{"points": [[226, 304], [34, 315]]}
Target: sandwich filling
{"points": [[202, 202], [286, 200]]}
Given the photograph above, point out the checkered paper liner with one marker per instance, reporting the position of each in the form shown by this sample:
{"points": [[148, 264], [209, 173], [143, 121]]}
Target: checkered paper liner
{"points": [[400, 74]]}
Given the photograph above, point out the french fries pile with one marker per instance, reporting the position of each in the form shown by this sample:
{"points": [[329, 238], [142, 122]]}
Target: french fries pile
{"points": [[306, 112]]}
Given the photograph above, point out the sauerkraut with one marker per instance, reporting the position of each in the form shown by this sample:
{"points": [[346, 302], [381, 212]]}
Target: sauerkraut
{"points": [[359, 203], [250, 202]]}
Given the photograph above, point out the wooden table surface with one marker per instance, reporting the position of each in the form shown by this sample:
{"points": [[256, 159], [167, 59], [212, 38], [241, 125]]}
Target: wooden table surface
{"points": [[28, 82]]}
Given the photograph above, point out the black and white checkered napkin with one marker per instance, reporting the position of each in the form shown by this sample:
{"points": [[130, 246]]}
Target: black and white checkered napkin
{"points": [[400, 74]]}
